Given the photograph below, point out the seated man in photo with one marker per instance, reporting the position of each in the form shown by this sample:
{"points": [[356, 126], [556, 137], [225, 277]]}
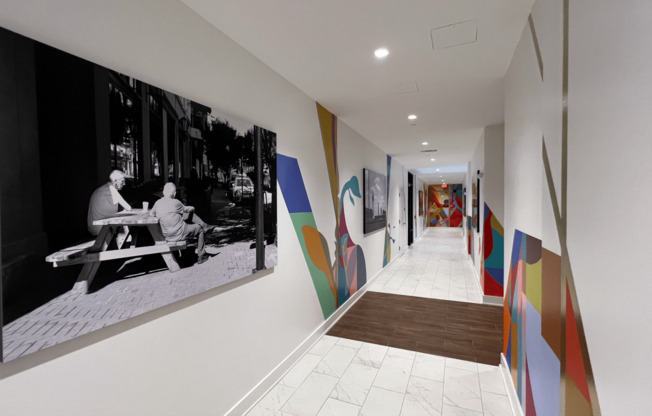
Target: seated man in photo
{"points": [[105, 202], [172, 215]]}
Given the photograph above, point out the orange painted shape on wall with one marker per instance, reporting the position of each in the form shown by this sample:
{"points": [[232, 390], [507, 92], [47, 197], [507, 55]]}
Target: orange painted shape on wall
{"points": [[507, 323], [574, 361], [318, 253]]}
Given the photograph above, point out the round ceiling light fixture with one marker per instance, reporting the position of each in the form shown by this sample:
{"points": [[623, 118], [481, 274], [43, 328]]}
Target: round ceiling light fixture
{"points": [[381, 53], [432, 160], [424, 143], [412, 117]]}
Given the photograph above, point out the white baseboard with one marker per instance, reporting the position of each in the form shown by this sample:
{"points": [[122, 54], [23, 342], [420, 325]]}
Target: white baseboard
{"points": [[517, 410], [269, 381], [492, 300]]}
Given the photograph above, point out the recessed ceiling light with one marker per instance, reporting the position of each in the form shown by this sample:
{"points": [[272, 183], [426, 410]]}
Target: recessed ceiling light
{"points": [[437, 170], [424, 143], [381, 53], [432, 160], [412, 117]]}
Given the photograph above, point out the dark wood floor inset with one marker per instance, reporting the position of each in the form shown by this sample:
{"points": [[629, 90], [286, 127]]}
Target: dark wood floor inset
{"points": [[466, 331]]}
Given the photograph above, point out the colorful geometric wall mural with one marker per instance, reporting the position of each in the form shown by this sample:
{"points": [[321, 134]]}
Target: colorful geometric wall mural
{"points": [[491, 269], [445, 205], [540, 334], [438, 203], [314, 246], [457, 208], [335, 282]]}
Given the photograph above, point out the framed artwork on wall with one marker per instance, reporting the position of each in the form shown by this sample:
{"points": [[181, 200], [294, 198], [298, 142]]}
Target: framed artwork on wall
{"points": [[420, 202], [94, 163], [475, 210], [375, 200]]}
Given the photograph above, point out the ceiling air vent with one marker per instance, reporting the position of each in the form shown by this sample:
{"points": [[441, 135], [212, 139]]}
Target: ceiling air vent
{"points": [[406, 87], [429, 151], [457, 34]]}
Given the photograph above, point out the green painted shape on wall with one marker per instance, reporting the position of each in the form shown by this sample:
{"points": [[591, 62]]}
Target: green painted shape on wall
{"points": [[319, 279]]}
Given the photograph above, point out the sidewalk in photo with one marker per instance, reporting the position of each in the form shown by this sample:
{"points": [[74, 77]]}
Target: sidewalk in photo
{"points": [[76, 313]]}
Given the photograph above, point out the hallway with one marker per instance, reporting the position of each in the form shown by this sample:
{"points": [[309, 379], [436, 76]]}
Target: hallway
{"points": [[435, 266], [341, 376]]}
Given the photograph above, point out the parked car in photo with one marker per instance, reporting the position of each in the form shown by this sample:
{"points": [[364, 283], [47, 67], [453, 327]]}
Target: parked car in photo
{"points": [[241, 187]]}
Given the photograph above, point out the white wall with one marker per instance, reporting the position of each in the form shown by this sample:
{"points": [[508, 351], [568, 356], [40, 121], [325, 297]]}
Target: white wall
{"points": [[355, 154], [488, 158], [202, 355], [609, 152], [494, 172], [523, 132], [397, 207]]}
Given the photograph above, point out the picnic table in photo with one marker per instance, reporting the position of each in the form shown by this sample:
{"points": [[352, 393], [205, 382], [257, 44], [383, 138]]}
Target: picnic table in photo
{"points": [[92, 253]]}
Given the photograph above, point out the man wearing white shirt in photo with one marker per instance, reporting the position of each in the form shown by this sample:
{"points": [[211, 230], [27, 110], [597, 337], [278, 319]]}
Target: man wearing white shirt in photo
{"points": [[105, 202]]}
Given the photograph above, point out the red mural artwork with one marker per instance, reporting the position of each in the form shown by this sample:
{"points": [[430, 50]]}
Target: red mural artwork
{"points": [[457, 204], [438, 201], [445, 205]]}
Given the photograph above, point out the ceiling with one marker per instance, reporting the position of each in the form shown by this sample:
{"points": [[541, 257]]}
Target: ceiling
{"points": [[446, 63]]}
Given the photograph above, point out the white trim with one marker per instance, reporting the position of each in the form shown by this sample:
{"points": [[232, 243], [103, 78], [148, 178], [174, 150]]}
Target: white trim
{"points": [[492, 300], [517, 410], [270, 380], [477, 278]]}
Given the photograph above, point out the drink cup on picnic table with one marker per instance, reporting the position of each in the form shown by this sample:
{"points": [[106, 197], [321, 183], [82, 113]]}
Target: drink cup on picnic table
{"points": [[145, 206]]}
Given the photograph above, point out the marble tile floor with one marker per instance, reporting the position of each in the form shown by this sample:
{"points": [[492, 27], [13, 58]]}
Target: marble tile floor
{"points": [[435, 266], [342, 377]]}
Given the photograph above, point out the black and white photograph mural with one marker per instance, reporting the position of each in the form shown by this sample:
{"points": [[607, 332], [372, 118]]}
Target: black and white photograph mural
{"points": [[375, 201], [118, 197]]}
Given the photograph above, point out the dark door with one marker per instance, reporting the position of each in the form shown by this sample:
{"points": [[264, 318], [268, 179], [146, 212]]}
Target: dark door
{"points": [[410, 209]]}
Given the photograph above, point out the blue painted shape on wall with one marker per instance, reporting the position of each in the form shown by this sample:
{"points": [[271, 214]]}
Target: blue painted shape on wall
{"points": [[516, 246], [291, 182], [543, 365]]}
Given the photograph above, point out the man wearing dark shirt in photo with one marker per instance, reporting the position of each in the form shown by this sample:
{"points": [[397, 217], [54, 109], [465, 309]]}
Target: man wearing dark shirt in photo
{"points": [[172, 216]]}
